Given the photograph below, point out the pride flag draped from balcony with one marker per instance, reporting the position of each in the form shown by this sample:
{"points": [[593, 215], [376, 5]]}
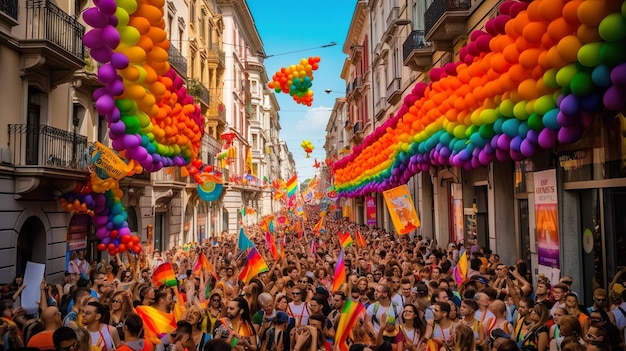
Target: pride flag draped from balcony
{"points": [[292, 185]]}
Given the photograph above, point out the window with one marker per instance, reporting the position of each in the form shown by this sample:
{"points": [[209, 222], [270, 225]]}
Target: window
{"points": [[192, 12], [255, 141], [254, 87]]}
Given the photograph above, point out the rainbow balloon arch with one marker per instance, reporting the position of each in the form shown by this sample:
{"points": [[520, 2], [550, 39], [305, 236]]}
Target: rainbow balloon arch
{"points": [[537, 75], [153, 122]]}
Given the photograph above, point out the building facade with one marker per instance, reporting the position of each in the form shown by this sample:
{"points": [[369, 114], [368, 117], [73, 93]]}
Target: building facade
{"points": [[394, 45]]}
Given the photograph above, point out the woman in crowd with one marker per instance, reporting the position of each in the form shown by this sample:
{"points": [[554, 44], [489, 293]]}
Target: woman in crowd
{"points": [[555, 328], [411, 330], [537, 338], [120, 307], [571, 304], [196, 316]]}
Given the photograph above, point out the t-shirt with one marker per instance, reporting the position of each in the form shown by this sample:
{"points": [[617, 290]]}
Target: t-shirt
{"points": [[42, 340]]}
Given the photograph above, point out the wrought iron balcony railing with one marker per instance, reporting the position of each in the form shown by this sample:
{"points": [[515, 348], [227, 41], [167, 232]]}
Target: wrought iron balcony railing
{"points": [[45, 146], [10, 8], [439, 7], [177, 60], [46, 21], [414, 41]]}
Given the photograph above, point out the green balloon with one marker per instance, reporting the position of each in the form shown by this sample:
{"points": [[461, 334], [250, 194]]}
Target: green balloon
{"points": [[612, 54], [486, 131], [544, 104], [582, 84], [549, 78], [612, 27], [589, 54], [534, 122], [566, 74], [131, 123]]}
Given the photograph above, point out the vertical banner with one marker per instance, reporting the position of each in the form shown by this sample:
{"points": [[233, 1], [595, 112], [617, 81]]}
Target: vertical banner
{"points": [[401, 209], [370, 210], [546, 215]]}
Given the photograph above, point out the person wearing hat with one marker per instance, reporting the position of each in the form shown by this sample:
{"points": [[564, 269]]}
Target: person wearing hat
{"points": [[276, 338]]}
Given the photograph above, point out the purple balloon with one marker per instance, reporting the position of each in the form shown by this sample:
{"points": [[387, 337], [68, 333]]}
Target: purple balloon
{"points": [[527, 148], [570, 105], [116, 87], [92, 40], [516, 143], [105, 104], [106, 240], [547, 138], [516, 155], [110, 37], [107, 74], [504, 142], [618, 75], [131, 141], [569, 135], [502, 155], [464, 155], [614, 98], [107, 7], [102, 54], [94, 18], [484, 158]]}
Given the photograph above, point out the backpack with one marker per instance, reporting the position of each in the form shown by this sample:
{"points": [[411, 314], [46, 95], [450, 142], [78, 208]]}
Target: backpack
{"points": [[394, 305]]}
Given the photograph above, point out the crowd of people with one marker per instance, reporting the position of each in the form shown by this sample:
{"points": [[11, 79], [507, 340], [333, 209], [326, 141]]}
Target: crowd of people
{"points": [[413, 300]]}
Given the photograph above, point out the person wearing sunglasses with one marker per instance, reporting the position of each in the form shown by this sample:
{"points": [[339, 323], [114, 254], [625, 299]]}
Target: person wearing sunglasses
{"points": [[64, 339], [599, 301]]}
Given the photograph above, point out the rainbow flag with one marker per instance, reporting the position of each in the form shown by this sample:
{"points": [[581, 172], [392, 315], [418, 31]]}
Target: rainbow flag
{"points": [[164, 275], [271, 244], [255, 264], [203, 264], [345, 239], [360, 240], [351, 313], [292, 185], [243, 242], [340, 273], [320, 224], [460, 270], [155, 323]]}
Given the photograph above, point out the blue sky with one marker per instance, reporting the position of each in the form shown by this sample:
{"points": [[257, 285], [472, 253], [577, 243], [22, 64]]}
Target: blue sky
{"points": [[287, 26]]}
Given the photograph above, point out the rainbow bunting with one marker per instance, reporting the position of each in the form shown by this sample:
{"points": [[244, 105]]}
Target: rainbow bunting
{"points": [[345, 239], [164, 275], [156, 323], [255, 264], [360, 240], [292, 184], [351, 313], [340, 273]]}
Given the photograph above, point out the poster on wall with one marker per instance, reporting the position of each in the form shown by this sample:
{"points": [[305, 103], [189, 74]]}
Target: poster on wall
{"points": [[401, 209], [370, 210], [546, 218]]}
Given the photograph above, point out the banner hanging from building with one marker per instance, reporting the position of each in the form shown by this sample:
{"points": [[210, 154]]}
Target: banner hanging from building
{"points": [[401, 209], [547, 221], [370, 210]]}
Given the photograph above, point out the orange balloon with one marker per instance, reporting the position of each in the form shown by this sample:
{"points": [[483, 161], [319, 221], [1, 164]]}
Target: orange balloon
{"points": [[550, 9], [568, 48], [592, 12], [533, 11], [588, 34], [499, 64], [534, 31], [518, 73], [530, 57], [511, 55], [528, 89], [554, 58], [570, 11], [520, 22], [559, 28]]}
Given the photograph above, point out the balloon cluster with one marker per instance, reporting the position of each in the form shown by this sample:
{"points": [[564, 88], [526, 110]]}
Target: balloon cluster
{"points": [[151, 117], [539, 74], [108, 214], [296, 80], [308, 147]]}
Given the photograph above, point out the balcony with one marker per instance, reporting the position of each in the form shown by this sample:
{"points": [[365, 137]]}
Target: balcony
{"points": [[445, 21], [53, 42], [393, 22], [394, 90], [177, 61], [356, 136], [45, 156], [216, 114], [416, 53], [169, 177], [381, 108], [216, 56]]}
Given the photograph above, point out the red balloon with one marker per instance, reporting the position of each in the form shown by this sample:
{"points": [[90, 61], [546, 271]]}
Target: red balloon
{"points": [[126, 239], [137, 248], [113, 252], [114, 233], [121, 247], [111, 246], [102, 247], [135, 240]]}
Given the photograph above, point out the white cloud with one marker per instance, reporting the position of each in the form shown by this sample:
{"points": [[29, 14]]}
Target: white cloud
{"points": [[314, 121]]}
